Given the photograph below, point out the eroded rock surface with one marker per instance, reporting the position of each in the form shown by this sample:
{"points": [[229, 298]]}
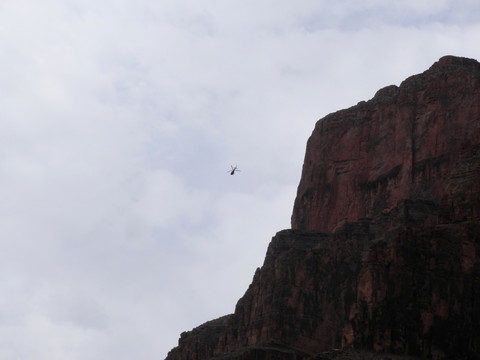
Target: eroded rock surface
{"points": [[401, 144]]}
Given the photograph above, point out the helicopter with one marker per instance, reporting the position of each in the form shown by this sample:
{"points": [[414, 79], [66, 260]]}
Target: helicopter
{"points": [[233, 169]]}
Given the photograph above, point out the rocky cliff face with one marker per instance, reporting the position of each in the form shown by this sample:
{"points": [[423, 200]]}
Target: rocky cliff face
{"points": [[384, 251], [402, 144]]}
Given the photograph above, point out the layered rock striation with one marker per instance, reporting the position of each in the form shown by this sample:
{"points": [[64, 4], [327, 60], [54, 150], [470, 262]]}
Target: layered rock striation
{"points": [[384, 251]]}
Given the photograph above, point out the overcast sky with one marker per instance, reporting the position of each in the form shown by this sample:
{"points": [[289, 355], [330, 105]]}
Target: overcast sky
{"points": [[120, 226]]}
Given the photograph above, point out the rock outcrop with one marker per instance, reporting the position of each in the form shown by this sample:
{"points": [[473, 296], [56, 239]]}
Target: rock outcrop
{"points": [[402, 144], [384, 252]]}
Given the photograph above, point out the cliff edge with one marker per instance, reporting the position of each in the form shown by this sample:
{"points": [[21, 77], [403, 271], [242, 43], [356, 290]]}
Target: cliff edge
{"points": [[383, 258]]}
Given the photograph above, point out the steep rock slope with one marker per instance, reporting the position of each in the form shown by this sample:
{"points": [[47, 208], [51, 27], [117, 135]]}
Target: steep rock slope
{"points": [[384, 251], [401, 144]]}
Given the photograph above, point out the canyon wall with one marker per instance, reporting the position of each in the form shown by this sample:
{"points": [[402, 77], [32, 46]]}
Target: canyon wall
{"points": [[401, 144]]}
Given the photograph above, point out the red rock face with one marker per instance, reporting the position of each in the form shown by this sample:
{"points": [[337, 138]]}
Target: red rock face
{"points": [[384, 254], [402, 144]]}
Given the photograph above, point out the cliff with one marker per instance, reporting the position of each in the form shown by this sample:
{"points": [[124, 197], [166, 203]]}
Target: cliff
{"points": [[402, 144], [384, 252]]}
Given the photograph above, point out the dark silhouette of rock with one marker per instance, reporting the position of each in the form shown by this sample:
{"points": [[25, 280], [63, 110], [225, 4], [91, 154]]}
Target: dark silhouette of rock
{"points": [[383, 258]]}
